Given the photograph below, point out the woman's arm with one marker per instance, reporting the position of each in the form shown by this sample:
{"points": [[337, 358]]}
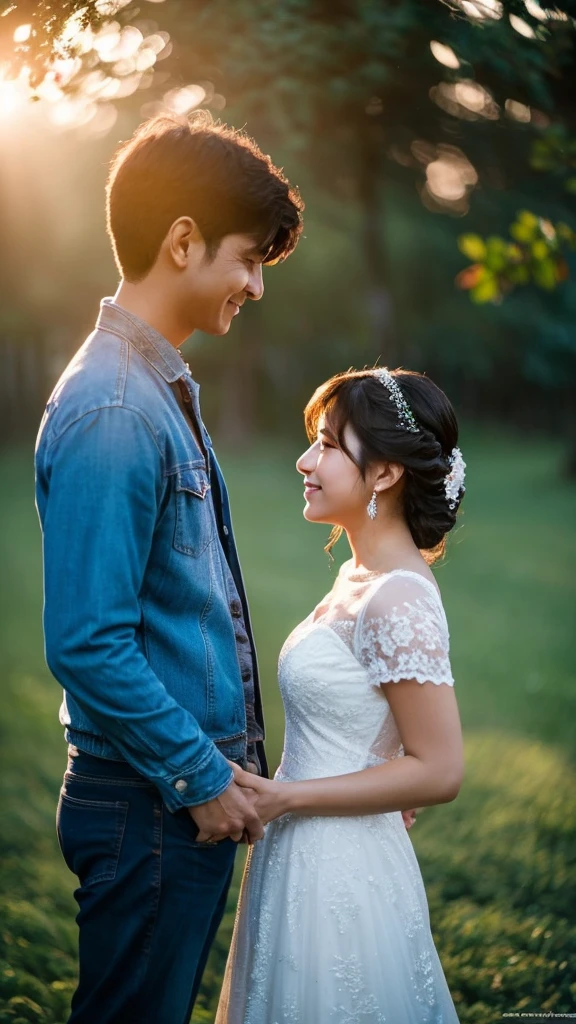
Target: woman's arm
{"points": [[430, 772]]}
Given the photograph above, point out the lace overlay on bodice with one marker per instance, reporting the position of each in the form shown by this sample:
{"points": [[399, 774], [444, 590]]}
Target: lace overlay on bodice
{"points": [[370, 630]]}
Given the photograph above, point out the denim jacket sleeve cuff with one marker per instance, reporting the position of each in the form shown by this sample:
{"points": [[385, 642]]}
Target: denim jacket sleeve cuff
{"points": [[197, 785]]}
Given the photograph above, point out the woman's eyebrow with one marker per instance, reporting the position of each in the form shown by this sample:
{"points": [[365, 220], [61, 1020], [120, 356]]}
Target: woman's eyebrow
{"points": [[328, 434]]}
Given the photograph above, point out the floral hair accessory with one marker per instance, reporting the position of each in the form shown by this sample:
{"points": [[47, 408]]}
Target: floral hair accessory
{"points": [[454, 479], [405, 414]]}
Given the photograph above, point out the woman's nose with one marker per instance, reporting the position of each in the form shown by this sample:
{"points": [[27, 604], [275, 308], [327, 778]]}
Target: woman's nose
{"points": [[307, 461]]}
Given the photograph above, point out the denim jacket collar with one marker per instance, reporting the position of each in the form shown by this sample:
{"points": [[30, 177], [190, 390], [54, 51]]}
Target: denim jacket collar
{"points": [[145, 339]]}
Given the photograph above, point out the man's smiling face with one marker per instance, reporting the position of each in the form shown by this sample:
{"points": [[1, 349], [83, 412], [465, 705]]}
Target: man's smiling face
{"points": [[215, 289]]}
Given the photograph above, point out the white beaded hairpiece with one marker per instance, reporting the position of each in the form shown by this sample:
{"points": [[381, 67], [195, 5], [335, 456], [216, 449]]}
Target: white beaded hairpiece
{"points": [[405, 414], [454, 481]]}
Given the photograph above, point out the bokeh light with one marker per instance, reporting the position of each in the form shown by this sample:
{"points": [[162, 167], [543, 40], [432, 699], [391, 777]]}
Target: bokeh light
{"points": [[444, 54], [22, 33], [482, 9], [518, 111], [522, 27], [182, 100], [93, 67], [450, 177], [466, 99], [535, 10]]}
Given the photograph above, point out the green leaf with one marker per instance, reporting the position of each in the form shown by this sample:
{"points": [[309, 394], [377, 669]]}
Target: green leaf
{"points": [[545, 275], [528, 218], [473, 247], [540, 249], [487, 290], [514, 253], [496, 259], [521, 233], [525, 227]]}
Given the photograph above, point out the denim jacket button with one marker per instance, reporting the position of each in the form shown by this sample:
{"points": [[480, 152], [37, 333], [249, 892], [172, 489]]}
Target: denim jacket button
{"points": [[181, 785], [225, 531]]}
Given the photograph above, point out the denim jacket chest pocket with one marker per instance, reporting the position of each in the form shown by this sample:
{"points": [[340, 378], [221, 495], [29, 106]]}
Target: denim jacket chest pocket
{"points": [[194, 526]]}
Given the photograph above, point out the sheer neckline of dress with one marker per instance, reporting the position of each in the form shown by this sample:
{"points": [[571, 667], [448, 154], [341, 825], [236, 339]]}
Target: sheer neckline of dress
{"points": [[348, 571], [348, 574]]}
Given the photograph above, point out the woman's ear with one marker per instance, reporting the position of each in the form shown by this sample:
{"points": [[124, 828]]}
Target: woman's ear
{"points": [[387, 476]]}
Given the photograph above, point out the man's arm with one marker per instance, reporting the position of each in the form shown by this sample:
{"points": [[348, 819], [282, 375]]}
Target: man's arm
{"points": [[105, 485]]}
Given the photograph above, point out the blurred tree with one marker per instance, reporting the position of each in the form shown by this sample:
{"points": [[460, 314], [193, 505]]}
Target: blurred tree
{"points": [[356, 87], [353, 86], [364, 92], [373, 102]]}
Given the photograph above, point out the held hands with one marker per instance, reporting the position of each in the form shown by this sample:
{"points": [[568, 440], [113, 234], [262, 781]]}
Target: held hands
{"points": [[269, 796], [233, 813], [248, 804]]}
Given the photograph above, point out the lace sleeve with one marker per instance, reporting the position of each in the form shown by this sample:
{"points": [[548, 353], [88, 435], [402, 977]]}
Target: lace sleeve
{"points": [[402, 634]]}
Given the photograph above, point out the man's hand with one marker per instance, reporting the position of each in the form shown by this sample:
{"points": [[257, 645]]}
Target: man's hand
{"points": [[233, 814]]}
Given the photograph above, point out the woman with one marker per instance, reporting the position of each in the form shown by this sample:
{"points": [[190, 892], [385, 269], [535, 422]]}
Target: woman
{"points": [[333, 923]]}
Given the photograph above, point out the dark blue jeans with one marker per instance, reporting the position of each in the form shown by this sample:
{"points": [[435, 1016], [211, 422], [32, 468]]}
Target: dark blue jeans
{"points": [[151, 898]]}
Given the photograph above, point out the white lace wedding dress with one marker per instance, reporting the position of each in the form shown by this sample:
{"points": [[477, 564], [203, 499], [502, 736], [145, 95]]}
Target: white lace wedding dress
{"points": [[332, 925]]}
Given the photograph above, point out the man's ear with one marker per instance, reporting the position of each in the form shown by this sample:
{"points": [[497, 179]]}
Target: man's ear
{"points": [[183, 239], [388, 476]]}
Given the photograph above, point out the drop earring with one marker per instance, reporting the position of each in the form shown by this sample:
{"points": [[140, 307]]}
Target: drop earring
{"points": [[372, 507]]}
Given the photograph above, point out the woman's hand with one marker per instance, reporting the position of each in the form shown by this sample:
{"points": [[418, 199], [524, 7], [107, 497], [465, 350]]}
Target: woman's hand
{"points": [[409, 818], [270, 798], [270, 801]]}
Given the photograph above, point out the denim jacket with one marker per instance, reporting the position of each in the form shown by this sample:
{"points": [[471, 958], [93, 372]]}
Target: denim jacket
{"points": [[137, 621]]}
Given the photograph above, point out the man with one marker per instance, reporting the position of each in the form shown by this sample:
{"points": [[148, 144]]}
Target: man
{"points": [[146, 621]]}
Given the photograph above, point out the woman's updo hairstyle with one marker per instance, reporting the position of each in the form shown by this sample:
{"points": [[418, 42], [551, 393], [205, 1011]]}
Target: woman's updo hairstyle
{"points": [[358, 398]]}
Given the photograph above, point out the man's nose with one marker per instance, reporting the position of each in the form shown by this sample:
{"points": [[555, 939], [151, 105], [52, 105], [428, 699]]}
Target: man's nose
{"points": [[255, 287]]}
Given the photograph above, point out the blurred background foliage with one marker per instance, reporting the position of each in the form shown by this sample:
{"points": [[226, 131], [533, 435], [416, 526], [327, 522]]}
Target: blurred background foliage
{"points": [[413, 128], [434, 145]]}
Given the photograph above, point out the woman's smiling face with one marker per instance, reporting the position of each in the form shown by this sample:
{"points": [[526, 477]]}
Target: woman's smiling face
{"points": [[334, 490]]}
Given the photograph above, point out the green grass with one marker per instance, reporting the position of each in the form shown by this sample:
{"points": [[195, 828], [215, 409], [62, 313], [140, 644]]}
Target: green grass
{"points": [[499, 862]]}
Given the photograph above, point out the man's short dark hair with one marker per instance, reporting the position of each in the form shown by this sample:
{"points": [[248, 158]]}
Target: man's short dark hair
{"points": [[196, 167]]}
